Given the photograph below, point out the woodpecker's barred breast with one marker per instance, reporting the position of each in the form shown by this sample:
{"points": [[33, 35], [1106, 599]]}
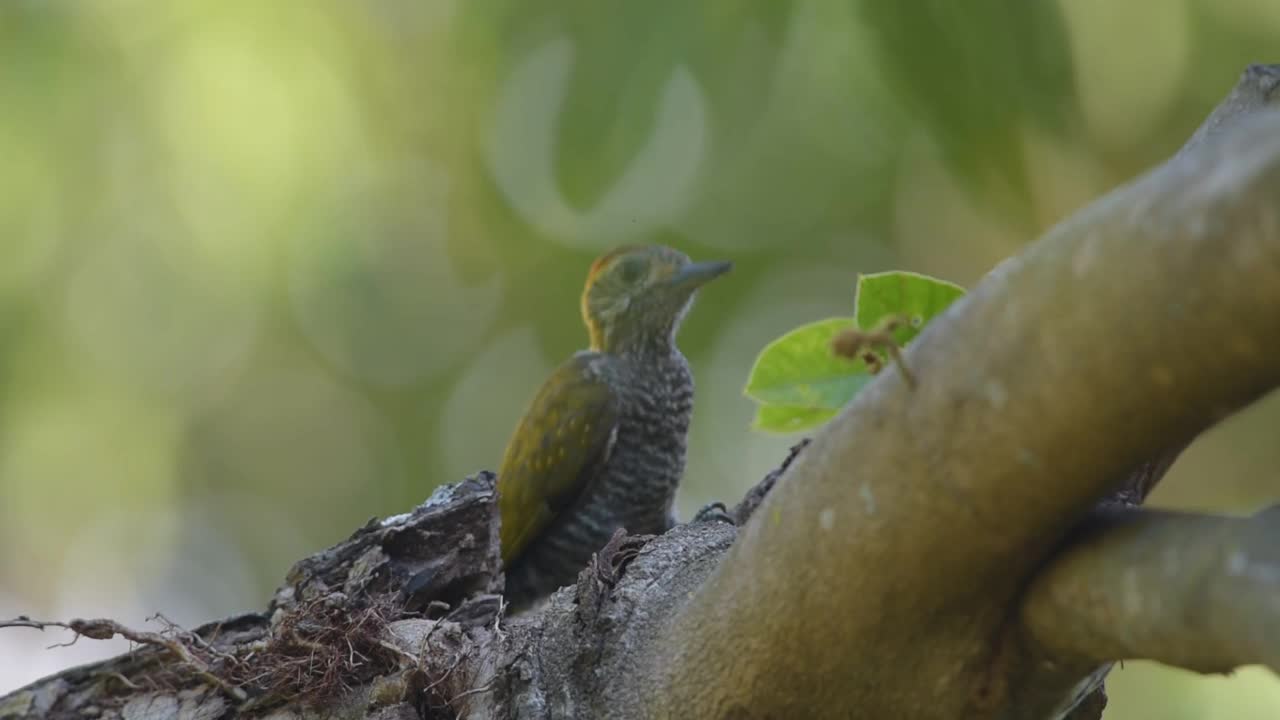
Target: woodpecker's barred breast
{"points": [[636, 486]]}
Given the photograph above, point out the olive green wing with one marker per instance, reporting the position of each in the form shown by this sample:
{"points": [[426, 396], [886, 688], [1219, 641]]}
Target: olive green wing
{"points": [[564, 438]]}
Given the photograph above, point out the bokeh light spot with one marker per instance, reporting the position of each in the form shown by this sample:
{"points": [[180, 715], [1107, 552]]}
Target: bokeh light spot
{"points": [[487, 402], [654, 190], [144, 309], [291, 434], [939, 228], [1127, 87], [30, 213], [374, 288]]}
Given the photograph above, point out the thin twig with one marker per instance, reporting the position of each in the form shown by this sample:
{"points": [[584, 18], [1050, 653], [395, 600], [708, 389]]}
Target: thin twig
{"points": [[125, 681], [473, 691], [104, 629]]}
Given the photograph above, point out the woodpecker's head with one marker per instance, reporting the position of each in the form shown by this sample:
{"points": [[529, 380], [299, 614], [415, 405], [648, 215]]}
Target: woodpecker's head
{"points": [[637, 295]]}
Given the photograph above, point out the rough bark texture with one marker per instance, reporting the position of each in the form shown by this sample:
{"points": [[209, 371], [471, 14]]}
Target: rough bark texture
{"points": [[964, 548]]}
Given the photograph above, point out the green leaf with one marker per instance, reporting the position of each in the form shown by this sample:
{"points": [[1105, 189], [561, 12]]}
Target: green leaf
{"points": [[918, 297], [785, 419], [799, 370], [797, 379]]}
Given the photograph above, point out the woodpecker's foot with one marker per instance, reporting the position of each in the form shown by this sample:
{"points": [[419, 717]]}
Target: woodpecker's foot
{"points": [[714, 512]]}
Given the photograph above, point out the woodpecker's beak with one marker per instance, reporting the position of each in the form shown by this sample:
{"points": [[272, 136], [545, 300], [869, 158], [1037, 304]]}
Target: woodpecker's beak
{"points": [[695, 275]]}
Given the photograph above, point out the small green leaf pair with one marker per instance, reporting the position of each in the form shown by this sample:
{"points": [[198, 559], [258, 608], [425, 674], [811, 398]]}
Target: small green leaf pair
{"points": [[800, 383]]}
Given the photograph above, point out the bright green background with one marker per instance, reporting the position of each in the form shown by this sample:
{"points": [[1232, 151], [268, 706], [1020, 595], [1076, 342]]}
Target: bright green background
{"points": [[270, 268]]}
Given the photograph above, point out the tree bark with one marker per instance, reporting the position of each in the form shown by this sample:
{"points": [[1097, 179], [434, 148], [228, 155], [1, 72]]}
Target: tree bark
{"points": [[963, 547]]}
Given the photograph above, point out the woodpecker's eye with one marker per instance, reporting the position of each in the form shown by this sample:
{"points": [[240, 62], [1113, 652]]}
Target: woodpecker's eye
{"points": [[631, 269]]}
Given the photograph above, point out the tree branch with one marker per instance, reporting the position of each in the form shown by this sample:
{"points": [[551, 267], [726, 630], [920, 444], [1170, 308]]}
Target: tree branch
{"points": [[103, 629], [1257, 90], [1193, 591], [913, 519]]}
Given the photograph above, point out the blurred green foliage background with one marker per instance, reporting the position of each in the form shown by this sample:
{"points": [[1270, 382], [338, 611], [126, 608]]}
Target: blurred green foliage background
{"points": [[268, 269]]}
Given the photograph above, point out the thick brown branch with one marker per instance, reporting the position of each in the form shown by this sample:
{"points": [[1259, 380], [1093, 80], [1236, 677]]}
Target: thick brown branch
{"points": [[1195, 591], [916, 514]]}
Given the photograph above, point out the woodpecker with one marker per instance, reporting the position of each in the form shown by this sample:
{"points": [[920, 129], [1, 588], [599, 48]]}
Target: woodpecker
{"points": [[602, 444]]}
